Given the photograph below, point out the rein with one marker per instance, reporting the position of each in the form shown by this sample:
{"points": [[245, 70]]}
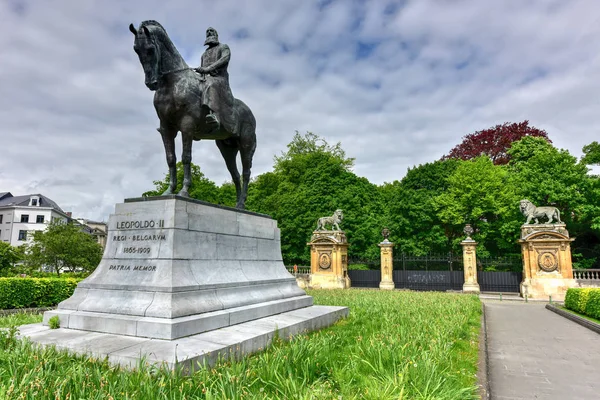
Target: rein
{"points": [[162, 74]]}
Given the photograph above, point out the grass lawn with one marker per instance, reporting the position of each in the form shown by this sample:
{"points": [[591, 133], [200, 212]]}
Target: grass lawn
{"points": [[394, 345], [576, 313]]}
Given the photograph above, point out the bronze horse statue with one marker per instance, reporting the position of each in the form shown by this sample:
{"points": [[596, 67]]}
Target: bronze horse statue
{"points": [[178, 103]]}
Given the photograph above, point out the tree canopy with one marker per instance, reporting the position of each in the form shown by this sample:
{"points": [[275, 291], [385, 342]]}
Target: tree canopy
{"points": [[201, 188], [311, 180], [591, 154], [9, 255], [494, 142], [427, 209], [63, 247]]}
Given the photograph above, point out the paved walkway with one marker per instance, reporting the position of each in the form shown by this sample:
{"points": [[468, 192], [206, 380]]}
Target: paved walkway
{"points": [[537, 354]]}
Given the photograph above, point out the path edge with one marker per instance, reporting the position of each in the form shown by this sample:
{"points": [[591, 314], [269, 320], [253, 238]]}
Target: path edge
{"points": [[575, 318], [483, 367]]}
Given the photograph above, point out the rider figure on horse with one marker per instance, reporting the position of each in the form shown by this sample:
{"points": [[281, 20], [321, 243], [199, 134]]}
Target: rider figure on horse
{"points": [[217, 97]]}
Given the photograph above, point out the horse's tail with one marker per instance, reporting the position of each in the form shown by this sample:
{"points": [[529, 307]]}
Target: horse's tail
{"points": [[558, 214]]}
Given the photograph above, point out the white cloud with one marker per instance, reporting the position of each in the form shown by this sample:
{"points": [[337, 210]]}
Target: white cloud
{"points": [[77, 122]]}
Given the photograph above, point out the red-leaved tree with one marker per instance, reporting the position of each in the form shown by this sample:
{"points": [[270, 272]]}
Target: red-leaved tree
{"points": [[494, 142]]}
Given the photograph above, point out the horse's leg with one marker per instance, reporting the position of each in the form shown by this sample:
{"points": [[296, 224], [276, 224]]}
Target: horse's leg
{"points": [[186, 159], [247, 147], [168, 137], [229, 154]]}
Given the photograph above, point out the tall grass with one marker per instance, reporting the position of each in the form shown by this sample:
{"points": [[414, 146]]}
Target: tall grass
{"points": [[394, 345]]}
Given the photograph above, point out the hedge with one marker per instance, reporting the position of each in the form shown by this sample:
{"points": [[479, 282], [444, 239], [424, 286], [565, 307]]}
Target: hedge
{"points": [[584, 301], [35, 292], [592, 308], [576, 299]]}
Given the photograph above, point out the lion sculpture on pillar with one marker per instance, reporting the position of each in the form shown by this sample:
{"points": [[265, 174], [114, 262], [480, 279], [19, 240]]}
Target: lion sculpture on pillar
{"points": [[334, 220], [530, 211]]}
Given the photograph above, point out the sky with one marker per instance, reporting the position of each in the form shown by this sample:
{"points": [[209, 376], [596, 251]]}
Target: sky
{"points": [[398, 83]]}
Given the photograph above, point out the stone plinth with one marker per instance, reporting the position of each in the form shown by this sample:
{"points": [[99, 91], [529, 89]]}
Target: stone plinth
{"points": [[175, 267], [547, 265], [329, 260], [387, 265], [191, 352], [470, 266]]}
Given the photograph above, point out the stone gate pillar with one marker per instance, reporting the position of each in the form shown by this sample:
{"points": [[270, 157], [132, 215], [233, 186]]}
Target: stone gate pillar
{"points": [[547, 266], [387, 264], [470, 266], [470, 262], [329, 260]]}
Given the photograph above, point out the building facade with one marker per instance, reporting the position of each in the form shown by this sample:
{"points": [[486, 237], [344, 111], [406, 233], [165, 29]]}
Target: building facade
{"points": [[20, 216], [96, 229]]}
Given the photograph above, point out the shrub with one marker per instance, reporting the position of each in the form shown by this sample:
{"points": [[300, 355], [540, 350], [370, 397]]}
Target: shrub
{"points": [[576, 299], [34, 292], [54, 322], [592, 308]]}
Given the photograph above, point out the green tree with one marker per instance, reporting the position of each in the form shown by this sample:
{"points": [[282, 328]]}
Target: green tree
{"points": [[411, 213], [64, 247], [9, 255], [591, 154], [313, 179], [546, 175], [478, 193], [201, 188]]}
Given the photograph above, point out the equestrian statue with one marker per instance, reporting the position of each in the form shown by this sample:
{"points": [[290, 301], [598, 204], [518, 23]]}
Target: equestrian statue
{"points": [[196, 102]]}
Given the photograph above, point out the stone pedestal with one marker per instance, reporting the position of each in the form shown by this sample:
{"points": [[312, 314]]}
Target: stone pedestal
{"points": [[175, 269], [387, 265], [329, 260], [547, 265], [470, 266]]}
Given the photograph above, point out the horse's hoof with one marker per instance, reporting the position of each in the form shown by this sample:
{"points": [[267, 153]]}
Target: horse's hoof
{"points": [[167, 192], [183, 193]]}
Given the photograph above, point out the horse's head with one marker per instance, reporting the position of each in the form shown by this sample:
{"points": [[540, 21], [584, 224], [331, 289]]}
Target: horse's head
{"points": [[148, 52]]}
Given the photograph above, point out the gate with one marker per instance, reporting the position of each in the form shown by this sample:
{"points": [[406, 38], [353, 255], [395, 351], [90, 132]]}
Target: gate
{"points": [[441, 272], [365, 279], [413, 280], [499, 281], [429, 280]]}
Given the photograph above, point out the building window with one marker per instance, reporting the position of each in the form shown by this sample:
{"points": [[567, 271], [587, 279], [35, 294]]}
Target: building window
{"points": [[25, 218], [1, 218], [22, 235], [34, 202], [39, 219]]}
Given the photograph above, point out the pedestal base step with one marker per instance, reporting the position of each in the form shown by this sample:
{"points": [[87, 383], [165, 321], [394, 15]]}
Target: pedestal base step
{"points": [[192, 352], [173, 328]]}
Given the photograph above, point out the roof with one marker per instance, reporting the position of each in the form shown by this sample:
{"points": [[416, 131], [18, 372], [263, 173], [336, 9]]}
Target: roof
{"points": [[7, 199]]}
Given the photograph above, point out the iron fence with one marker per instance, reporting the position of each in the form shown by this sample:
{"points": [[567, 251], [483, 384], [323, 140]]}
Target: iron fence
{"points": [[505, 263], [413, 280], [364, 279], [429, 280], [443, 262], [429, 262], [499, 281]]}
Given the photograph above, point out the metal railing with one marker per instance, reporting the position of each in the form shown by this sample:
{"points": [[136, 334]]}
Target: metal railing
{"points": [[587, 274], [444, 262]]}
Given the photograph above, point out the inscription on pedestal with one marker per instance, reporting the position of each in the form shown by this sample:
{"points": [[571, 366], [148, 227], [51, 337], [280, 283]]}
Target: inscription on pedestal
{"points": [[137, 245], [143, 224], [145, 268]]}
